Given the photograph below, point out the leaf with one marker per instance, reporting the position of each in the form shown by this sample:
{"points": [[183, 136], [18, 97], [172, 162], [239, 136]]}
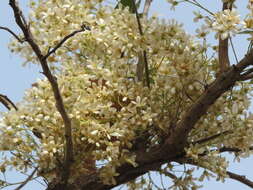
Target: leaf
{"points": [[128, 3]]}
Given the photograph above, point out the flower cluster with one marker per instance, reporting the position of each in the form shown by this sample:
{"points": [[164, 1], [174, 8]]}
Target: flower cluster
{"points": [[226, 23], [110, 109]]}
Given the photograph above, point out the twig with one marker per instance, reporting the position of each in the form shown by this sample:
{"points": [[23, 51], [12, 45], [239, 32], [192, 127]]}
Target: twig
{"points": [[240, 178], [233, 48], [27, 180], [204, 140], [83, 28], [152, 182], [231, 149], [231, 175], [137, 18], [7, 102], [12, 33], [200, 6], [68, 156], [139, 66]]}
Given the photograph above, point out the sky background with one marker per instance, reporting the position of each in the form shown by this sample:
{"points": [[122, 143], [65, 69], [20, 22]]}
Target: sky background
{"points": [[14, 78]]}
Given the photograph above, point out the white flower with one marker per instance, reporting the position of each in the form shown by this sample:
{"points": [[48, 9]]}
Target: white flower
{"points": [[226, 22]]}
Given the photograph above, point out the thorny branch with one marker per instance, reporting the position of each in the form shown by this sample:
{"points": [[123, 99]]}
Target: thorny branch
{"points": [[12, 33], [21, 22]]}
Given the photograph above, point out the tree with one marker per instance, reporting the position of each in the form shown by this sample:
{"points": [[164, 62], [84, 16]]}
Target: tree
{"points": [[125, 94]]}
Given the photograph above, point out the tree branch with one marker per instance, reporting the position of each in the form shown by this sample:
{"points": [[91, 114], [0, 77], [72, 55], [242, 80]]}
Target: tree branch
{"points": [[240, 178], [7, 102], [21, 22], [247, 75], [139, 70], [173, 148], [12, 33], [83, 28], [27, 180], [223, 47], [231, 149], [204, 140]]}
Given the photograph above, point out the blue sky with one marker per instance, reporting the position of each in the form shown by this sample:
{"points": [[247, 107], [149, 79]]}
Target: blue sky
{"points": [[14, 78]]}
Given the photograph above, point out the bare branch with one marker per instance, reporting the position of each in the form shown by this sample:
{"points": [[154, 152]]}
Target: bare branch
{"points": [[194, 2], [232, 149], [233, 49], [83, 28], [20, 20], [240, 178], [7, 102], [12, 33], [201, 141], [27, 180]]}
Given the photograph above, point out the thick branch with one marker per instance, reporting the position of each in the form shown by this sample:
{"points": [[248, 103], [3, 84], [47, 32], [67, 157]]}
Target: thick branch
{"points": [[20, 20], [176, 140], [12, 33], [223, 83], [173, 148]]}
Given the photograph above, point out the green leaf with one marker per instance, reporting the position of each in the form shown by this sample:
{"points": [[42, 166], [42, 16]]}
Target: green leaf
{"points": [[128, 3]]}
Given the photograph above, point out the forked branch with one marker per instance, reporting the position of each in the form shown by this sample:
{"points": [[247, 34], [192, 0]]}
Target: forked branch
{"points": [[239, 178], [83, 28], [21, 22], [28, 179]]}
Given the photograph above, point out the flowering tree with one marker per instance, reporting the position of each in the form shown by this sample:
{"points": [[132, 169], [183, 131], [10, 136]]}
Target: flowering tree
{"points": [[125, 94]]}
